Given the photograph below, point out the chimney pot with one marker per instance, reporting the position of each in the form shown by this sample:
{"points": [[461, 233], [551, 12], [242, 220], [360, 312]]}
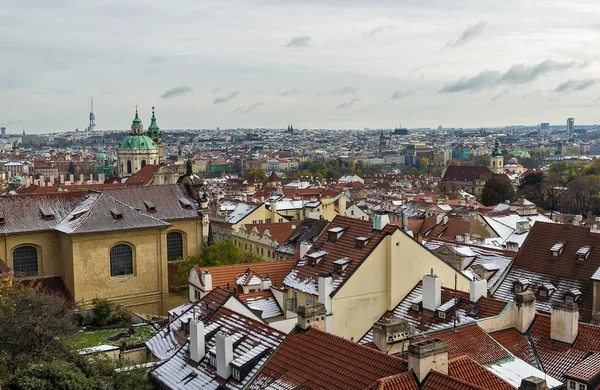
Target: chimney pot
{"points": [[432, 292], [533, 383]]}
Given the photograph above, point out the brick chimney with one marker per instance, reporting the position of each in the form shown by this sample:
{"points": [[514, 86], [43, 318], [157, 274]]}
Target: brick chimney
{"points": [[312, 315], [304, 248], [426, 356], [564, 321], [525, 302], [533, 383], [197, 345], [387, 331]]}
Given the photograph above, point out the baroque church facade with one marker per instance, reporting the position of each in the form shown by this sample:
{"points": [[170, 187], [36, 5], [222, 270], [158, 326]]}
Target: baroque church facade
{"points": [[139, 148]]}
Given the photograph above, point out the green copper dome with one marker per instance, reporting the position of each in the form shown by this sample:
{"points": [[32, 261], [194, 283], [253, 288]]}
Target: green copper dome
{"points": [[497, 152], [137, 142], [100, 156], [153, 129]]}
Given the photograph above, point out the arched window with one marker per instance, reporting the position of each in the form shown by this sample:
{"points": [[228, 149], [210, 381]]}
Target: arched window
{"points": [[143, 163], [121, 260], [25, 261], [174, 246], [128, 166]]}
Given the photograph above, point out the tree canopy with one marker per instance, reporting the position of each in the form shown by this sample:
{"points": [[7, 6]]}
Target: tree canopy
{"points": [[260, 173], [497, 190]]}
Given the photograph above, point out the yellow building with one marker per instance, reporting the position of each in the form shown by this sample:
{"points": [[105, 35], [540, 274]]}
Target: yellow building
{"points": [[358, 270], [114, 244]]}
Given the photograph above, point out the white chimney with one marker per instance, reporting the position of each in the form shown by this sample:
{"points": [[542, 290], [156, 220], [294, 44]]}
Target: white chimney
{"points": [[523, 227], [478, 289], [224, 354], [197, 346], [265, 283], [380, 221], [564, 321], [325, 290], [206, 281], [342, 204], [62, 179], [304, 248], [432, 292], [71, 179]]}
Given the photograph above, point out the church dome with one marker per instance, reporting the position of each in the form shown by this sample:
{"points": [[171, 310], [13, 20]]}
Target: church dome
{"points": [[100, 156], [18, 179], [137, 142], [513, 161]]}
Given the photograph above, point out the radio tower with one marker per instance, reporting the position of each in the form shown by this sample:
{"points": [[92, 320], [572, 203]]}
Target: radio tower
{"points": [[92, 117]]}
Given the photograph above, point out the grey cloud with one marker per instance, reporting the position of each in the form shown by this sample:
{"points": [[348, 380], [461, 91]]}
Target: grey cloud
{"points": [[252, 107], [576, 85], [225, 99], [375, 31], [341, 91], [299, 42], [215, 89], [467, 35], [176, 92], [517, 74], [400, 94], [156, 60], [347, 104], [289, 92]]}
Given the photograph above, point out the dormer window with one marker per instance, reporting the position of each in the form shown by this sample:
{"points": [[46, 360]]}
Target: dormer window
{"points": [[316, 257], [583, 253], [340, 265], [150, 206], [47, 213], [416, 304], [335, 233], [361, 242], [545, 290], [243, 365], [185, 203], [557, 248], [520, 285], [116, 214], [2, 220], [573, 295], [443, 310]]}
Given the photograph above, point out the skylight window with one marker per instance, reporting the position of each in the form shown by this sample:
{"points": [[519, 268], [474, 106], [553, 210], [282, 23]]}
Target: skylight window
{"points": [[583, 252]]}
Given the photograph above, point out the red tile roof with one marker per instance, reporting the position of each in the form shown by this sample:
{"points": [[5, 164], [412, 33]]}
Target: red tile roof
{"points": [[403, 381], [586, 370], [468, 370], [225, 276], [278, 231], [558, 358], [536, 263], [143, 176], [517, 344], [469, 340], [313, 359], [436, 380]]}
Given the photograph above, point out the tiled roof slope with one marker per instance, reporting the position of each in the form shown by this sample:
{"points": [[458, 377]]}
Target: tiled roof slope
{"points": [[586, 370], [436, 380], [403, 381], [167, 200], [22, 213], [424, 321], [264, 301], [304, 277], [98, 212], [143, 176], [313, 359], [179, 372], [557, 358], [306, 231], [171, 337], [466, 174], [226, 276], [469, 340], [277, 231], [535, 263], [517, 344], [468, 370]]}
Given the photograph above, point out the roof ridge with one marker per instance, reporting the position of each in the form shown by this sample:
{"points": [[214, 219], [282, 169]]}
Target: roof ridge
{"points": [[85, 213]]}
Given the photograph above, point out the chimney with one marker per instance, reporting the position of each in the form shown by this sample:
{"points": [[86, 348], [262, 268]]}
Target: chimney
{"points": [[62, 179], [426, 356], [512, 246], [438, 219], [274, 218], [564, 321], [523, 227], [380, 221], [197, 347], [405, 221], [342, 204], [533, 383], [81, 178], [525, 302], [206, 278], [265, 283], [304, 248], [325, 290], [432, 292], [101, 178], [478, 289], [71, 179], [312, 315], [387, 331], [224, 352]]}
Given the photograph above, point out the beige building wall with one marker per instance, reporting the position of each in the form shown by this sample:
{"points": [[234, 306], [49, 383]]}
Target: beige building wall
{"points": [[47, 245]]}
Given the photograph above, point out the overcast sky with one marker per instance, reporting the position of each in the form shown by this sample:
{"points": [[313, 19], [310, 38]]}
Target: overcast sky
{"points": [[310, 63]]}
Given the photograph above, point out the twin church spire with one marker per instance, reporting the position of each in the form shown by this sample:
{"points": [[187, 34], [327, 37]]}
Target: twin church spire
{"points": [[138, 129]]}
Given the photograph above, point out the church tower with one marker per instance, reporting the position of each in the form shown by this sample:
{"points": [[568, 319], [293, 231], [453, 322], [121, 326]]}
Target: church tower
{"points": [[155, 134], [497, 159], [136, 150]]}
